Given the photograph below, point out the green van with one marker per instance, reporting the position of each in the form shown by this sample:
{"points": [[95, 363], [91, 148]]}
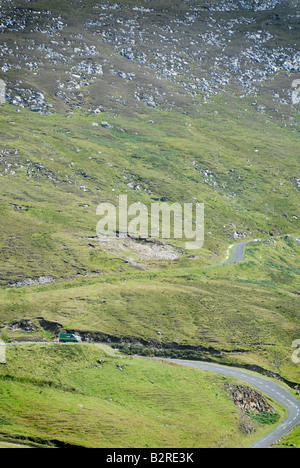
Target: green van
{"points": [[69, 338]]}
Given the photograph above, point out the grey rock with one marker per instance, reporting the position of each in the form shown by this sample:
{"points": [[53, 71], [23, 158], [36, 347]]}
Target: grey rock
{"points": [[106, 125]]}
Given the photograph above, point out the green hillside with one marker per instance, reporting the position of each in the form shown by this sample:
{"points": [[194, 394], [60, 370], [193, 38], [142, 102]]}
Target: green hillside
{"points": [[79, 396]]}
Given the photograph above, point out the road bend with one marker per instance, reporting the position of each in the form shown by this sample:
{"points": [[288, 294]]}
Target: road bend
{"points": [[268, 387]]}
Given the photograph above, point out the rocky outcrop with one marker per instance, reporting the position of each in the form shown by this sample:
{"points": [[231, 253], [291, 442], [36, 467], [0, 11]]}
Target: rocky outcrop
{"points": [[25, 325], [248, 399], [32, 98], [32, 282]]}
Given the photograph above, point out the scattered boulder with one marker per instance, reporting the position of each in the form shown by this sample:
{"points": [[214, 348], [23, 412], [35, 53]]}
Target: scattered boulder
{"points": [[106, 125], [245, 425]]}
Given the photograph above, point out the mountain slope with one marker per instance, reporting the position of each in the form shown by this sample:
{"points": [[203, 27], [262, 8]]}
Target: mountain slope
{"points": [[162, 101]]}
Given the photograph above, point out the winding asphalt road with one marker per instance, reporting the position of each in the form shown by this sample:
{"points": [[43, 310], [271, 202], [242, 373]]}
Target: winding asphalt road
{"points": [[268, 387], [240, 248], [238, 253]]}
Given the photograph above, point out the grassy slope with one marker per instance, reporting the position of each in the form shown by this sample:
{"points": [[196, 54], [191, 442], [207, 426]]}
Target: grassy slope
{"points": [[252, 197], [53, 234], [290, 440], [54, 394], [48, 223]]}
